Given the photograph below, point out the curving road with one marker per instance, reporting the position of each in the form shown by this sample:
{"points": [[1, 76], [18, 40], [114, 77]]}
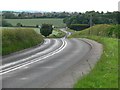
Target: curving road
{"points": [[38, 66]]}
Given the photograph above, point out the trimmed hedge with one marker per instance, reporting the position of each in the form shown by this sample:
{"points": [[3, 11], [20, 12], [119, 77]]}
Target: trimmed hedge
{"points": [[78, 27]]}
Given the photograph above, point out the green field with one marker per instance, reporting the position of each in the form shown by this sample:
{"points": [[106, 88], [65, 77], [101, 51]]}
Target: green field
{"points": [[105, 72], [34, 22], [16, 39]]}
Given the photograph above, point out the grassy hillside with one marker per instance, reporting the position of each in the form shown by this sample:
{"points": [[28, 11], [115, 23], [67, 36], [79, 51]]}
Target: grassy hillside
{"points": [[19, 38], [34, 22], [100, 30], [105, 72]]}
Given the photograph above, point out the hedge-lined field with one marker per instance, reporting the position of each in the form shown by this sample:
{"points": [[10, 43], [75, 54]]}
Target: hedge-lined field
{"points": [[33, 22], [16, 39]]}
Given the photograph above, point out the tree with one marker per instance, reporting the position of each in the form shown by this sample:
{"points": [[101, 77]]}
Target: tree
{"points": [[118, 17], [19, 24], [46, 29]]}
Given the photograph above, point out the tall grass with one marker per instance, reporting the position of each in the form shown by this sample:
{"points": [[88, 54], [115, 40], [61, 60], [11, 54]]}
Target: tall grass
{"points": [[17, 39]]}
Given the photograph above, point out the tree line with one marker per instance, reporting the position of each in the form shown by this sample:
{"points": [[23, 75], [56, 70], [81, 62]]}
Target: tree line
{"points": [[31, 15], [97, 18], [70, 17], [80, 21], [73, 20]]}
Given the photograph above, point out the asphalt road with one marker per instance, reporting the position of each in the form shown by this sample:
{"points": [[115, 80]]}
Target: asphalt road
{"points": [[38, 66]]}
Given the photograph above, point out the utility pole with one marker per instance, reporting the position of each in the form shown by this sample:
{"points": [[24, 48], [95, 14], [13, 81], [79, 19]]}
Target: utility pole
{"points": [[91, 18]]}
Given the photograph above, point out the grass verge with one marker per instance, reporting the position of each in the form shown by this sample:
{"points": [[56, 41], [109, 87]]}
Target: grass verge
{"points": [[19, 38], [105, 72]]}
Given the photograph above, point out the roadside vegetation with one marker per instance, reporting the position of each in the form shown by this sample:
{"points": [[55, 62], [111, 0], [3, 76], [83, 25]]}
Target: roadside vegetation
{"points": [[46, 29], [105, 72], [57, 34], [104, 30], [16, 39]]}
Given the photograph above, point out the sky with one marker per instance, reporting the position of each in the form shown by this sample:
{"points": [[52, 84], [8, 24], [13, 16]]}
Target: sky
{"points": [[59, 5]]}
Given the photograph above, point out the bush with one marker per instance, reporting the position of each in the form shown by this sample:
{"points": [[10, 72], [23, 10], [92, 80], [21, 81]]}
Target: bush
{"points": [[19, 25], [78, 27], [46, 29]]}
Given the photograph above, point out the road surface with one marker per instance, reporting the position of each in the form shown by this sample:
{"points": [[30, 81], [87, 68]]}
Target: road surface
{"points": [[38, 66]]}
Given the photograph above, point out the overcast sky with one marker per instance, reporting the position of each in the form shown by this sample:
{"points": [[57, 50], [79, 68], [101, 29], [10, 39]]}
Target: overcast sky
{"points": [[60, 5]]}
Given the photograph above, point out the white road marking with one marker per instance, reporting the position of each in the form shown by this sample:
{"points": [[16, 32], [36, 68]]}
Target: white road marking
{"points": [[36, 60], [48, 67], [23, 78], [26, 67], [16, 62]]}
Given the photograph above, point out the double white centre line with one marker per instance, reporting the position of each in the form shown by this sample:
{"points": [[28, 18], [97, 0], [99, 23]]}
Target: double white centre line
{"points": [[18, 66]]}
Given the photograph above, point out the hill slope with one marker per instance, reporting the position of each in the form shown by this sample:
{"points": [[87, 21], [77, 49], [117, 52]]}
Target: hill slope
{"points": [[17, 39], [99, 30]]}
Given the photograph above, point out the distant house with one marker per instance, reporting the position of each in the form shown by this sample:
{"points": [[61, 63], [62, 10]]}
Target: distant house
{"points": [[16, 13], [37, 14]]}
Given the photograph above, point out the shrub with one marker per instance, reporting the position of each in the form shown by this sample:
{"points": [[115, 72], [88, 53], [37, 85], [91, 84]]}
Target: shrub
{"points": [[46, 29], [19, 25], [78, 27]]}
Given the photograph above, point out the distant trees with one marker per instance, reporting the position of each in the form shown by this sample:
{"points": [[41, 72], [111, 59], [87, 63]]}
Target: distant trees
{"points": [[9, 15], [118, 17], [30, 15], [46, 29], [97, 18], [6, 24], [69, 17]]}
